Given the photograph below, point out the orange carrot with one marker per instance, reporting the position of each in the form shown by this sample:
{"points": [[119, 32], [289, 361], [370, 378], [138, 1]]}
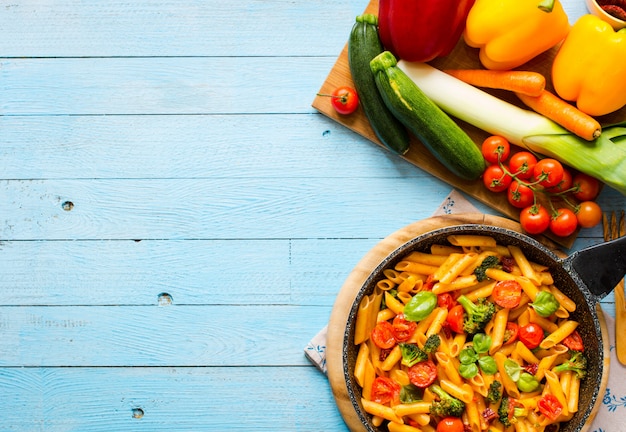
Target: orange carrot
{"points": [[527, 82], [563, 113]]}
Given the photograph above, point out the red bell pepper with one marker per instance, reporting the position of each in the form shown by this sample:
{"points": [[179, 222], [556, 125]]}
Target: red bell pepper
{"points": [[421, 30]]}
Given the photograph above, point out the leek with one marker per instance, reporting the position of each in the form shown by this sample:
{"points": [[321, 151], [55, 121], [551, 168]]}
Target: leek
{"points": [[603, 158]]}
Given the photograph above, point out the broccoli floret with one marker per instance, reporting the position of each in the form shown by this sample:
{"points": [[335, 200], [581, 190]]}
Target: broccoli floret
{"points": [[488, 262], [432, 344], [447, 405], [509, 410], [412, 354], [576, 363], [494, 393], [477, 315]]}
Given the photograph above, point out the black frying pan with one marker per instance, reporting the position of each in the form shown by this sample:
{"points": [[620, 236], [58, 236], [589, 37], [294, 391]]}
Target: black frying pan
{"points": [[586, 277]]}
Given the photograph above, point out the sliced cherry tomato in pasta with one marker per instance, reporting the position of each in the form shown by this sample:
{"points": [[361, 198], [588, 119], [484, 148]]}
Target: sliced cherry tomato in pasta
{"points": [[382, 335], [403, 329], [574, 342], [450, 424], [507, 294], [446, 301], [385, 390], [531, 335], [423, 374], [455, 317], [510, 332], [550, 406]]}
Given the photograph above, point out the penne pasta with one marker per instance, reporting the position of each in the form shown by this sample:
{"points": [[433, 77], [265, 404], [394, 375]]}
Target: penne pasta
{"points": [[472, 241], [563, 330]]}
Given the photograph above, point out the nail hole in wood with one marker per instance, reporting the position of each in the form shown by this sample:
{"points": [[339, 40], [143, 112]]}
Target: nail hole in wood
{"points": [[67, 205], [165, 299], [137, 413]]}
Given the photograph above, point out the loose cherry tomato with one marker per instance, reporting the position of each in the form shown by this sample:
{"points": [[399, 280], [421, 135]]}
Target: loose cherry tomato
{"points": [[531, 335], [588, 187], [423, 374], [589, 214], [495, 179], [510, 332], [403, 329], [565, 183], [382, 335], [564, 222], [455, 317], [507, 294], [535, 219], [385, 390], [495, 149], [550, 406], [344, 99], [519, 195], [548, 172], [445, 300], [522, 164], [450, 424], [574, 342]]}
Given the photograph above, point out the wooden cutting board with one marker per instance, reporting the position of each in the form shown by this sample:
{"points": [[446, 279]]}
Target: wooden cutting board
{"points": [[357, 277], [462, 57]]}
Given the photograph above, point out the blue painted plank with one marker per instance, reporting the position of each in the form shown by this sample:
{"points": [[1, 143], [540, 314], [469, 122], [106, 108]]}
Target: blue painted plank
{"points": [[166, 399], [170, 335]]}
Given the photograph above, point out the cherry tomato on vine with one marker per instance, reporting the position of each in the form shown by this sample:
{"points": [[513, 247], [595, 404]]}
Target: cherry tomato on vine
{"points": [[563, 222], [530, 335], [548, 172], [535, 219], [385, 390], [522, 164], [423, 374], [382, 335], [519, 195], [589, 214], [344, 99], [495, 179], [565, 183], [450, 424], [588, 187], [495, 149]]}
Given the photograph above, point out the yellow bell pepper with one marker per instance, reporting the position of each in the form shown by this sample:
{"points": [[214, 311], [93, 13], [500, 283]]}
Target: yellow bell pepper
{"points": [[590, 67], [511, 32]]}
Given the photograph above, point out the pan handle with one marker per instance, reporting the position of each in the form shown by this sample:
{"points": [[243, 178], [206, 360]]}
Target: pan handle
{"points": [[601, 266]]}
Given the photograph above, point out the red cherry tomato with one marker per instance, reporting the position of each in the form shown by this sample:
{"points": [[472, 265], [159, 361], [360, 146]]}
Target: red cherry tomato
{"points": [[507, 294], [385, 390], [510, 332], [450, 424], [403, 329], [588, 187], [564, 222], [495, 179], [548, 172], [530, 335], [535, 219], [495, 149], [589, 214], [344, 99], [574, 342], [550, 406], [565, 183], [522, 164], [382, 335], [423, 374], [455, 317], [519, 195], [445, 300]]}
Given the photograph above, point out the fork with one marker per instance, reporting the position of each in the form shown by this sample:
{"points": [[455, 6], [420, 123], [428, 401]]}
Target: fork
{"points": [[612, 229]]}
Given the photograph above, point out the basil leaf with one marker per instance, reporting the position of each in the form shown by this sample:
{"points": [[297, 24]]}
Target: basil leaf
{"points": [[420, 306], [468, 371], [468, 356], [488, 365], [482, 343]]}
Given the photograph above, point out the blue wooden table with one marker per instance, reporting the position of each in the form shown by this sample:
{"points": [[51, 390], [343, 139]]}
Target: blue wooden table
{"points": [[176, 219]]}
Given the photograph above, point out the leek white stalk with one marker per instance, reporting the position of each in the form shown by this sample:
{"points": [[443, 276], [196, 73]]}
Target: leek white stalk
{"points": [[604, 158]]}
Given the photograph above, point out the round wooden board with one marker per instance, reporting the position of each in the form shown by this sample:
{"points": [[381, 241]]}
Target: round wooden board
{"points": [[356, 278]]}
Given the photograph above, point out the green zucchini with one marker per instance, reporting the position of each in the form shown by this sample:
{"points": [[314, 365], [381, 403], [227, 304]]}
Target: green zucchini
{"points": [[363, 45], [434, 128]]}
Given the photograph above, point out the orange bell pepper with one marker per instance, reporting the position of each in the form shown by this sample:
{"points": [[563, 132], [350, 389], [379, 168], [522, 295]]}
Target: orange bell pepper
{"points": [[511, 32], [590, 67]]}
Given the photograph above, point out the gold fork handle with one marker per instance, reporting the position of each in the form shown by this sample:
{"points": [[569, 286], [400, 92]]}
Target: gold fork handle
{"points": [[620, 323]]}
